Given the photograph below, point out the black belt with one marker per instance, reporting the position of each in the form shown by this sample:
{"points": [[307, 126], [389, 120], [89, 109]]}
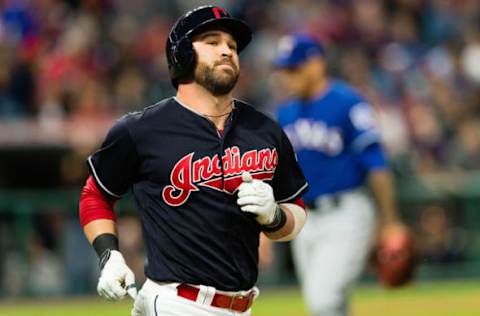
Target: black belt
{"points": [[330, 200]]}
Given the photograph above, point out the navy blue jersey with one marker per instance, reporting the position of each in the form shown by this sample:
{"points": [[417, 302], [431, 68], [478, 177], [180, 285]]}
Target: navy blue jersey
{"points": [[335, 138], [184, 177]]}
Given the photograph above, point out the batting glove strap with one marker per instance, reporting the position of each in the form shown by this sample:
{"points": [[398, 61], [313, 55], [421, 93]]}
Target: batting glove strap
{"points": [[278, 221]]}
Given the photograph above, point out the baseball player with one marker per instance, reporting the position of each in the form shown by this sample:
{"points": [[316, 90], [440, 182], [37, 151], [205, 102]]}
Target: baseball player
{"points": [[332, 129], [208, 174]]}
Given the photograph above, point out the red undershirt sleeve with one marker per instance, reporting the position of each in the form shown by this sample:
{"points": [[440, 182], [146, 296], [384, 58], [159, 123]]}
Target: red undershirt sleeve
{"points": [[94, 204], [300, 203]]}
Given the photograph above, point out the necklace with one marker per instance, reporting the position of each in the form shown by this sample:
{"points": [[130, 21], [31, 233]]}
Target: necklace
{"points": [[220, 115]]}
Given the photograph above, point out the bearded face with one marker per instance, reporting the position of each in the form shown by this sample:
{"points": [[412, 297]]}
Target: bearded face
{"points": [[219, 79], [217, 65]]}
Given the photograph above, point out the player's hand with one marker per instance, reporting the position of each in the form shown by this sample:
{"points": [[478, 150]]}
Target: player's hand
{"points": [[116, 279], [255, 196], [138, 305]]}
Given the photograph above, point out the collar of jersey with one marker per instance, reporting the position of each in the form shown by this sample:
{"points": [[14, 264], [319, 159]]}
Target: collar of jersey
{"points": [[234, 107]]}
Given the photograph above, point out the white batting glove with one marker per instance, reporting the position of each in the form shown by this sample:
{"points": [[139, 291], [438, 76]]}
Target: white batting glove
{"points": [[116, 279], [255, 196], [138, 305]]}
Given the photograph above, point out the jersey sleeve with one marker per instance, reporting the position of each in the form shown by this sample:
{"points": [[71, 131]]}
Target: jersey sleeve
{"points": [[362, 126], [114, 165], [289, 182], [373, 158]]}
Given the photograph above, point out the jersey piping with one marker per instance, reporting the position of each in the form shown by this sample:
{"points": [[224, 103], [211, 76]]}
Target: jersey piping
{"points": [[293, 196], [94, 172]]}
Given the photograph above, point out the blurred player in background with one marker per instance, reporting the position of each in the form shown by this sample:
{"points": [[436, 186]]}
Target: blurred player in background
{"points": [[208, 174], [332, 129]]}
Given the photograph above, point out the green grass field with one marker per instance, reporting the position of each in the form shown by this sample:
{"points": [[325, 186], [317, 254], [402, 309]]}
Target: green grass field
{"points": [[433, 299]]}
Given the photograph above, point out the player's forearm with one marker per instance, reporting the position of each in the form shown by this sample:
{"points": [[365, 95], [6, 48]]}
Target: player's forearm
{"points": [[98, 218], [102, 235], [295, 219], [382, 187], [98, 227]]}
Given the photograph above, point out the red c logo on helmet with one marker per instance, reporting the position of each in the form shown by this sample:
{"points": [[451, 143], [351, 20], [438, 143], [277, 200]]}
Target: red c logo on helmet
{"points": [[216, 12]]}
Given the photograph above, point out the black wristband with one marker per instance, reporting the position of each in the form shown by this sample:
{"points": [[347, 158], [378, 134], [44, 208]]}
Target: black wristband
{"points": [[104, 242], [278, 221]]}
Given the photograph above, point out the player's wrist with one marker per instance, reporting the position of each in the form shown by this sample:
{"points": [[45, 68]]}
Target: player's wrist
{"points": [[278, 221], [105, 241], [105, 245]]}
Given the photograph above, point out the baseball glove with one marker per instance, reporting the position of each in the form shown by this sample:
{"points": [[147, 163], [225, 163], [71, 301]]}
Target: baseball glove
{"points": [[394, 257]]}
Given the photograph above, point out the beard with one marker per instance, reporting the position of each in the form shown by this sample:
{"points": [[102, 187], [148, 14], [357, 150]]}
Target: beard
{"points": [[218, 84]]}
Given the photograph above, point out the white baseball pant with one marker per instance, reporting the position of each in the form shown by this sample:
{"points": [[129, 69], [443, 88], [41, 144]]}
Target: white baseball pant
{"points": [[161, 299], [331, 251]]}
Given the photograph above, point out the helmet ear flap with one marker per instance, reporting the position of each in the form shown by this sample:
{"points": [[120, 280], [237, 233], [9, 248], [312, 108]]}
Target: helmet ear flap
{"points": [[184, 57], [181, 58]]}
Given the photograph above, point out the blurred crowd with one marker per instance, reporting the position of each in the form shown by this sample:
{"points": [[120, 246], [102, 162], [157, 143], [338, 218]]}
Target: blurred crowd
{"points": [[69, 68]]}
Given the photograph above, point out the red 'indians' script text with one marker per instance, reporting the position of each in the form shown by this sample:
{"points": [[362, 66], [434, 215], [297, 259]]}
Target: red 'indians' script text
{"points": [[187, 175]]}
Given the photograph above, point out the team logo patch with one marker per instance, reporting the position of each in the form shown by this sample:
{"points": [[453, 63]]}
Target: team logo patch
{"points": [[226, 175]]}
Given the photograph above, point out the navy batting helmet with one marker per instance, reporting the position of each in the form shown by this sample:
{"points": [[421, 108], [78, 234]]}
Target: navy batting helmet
{"points": [[179, 49]]}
